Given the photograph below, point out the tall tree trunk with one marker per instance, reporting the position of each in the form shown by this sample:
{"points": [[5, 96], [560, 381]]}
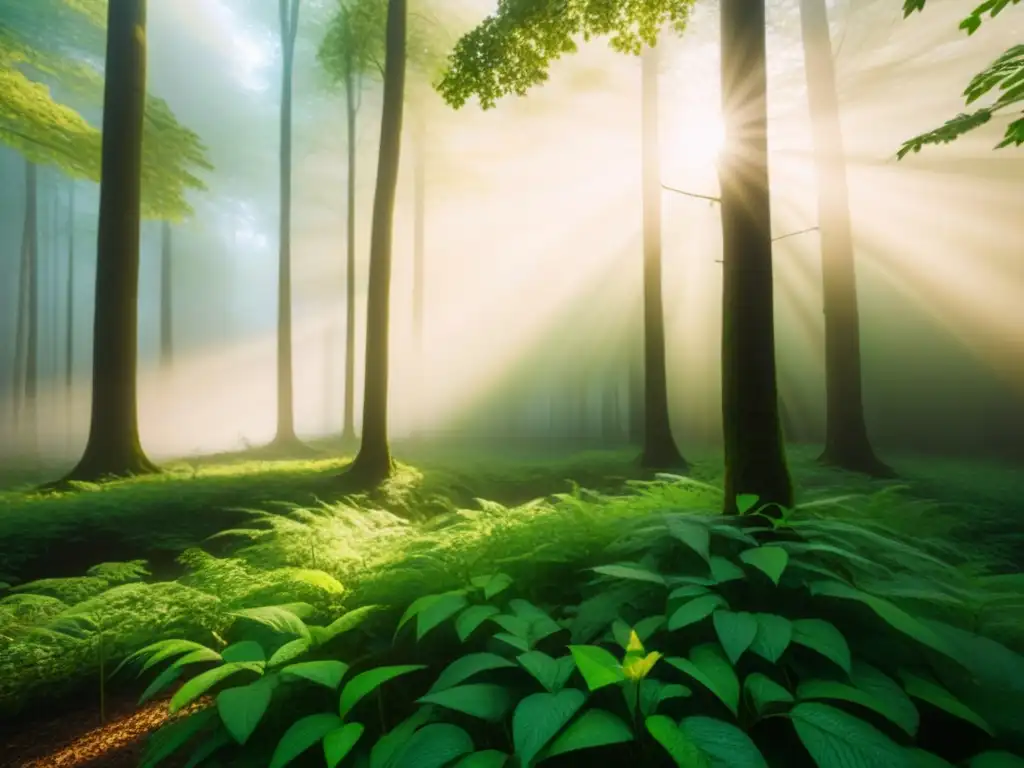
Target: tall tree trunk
{"points": [[166, 297], [635, 383], [348, 430], [660, 450], [113, 446], [30, 242], [69, 298], [846, 436], [373, 462], [419, 145], [289, 18], [25, 269], [755, 461]]}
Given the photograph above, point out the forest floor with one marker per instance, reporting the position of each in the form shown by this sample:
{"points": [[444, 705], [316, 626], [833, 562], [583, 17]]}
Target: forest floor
{"points": [[49, 690]]}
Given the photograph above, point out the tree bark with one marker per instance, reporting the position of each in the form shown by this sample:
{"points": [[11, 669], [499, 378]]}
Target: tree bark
{"points": [[348, 430], [286, 437], [373, 462], [846, 437], [25, 272], [659, 447], [755, 461], [113, 447], [166, 296]]}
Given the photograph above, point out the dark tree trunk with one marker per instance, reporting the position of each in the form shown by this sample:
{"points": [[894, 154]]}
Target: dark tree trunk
{"points": [[660, 450], [25, 279], [286, 437], [166, 297], [755, 461], [418, 245], [348, 430], [69, 298], [373, 462], [846, 436], [113, 446]]}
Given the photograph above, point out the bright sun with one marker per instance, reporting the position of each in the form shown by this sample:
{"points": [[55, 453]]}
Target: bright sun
{"points": [[707, 137]]}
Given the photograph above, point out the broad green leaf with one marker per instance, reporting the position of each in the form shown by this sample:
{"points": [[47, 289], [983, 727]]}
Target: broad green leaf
{"points": [[171, 737], [996, 760], [551, 673], [711, 669], [774, 634], [302, 735], [208, 747], [514, 625], [339, 742], [654, 692], [939, 697], [832, 690], [392, 742], [195, 657], [688, 590], [696, 610], [539, 717], [630, 571], [893, 701], [417, 605], [160, 682], [289, 651], [368, 681], [493, 584], [746, 502], [519, 643], [834, 738], [763, 692], [347, 622], [473, 617], [680, 747], [242, 708], [736, 632], [598, 667], [247, 650], [327, 673], [433, 746], [821, 636], [204, 681], [723, 570], [646, 627], [464, 668], [921, 759], [488, 758], [483, 700], [594, 728], [724, 743], [160, 651], [771, 561], [621, 632], [283, 619], [895, 617], [439, 610], [694, 535]]}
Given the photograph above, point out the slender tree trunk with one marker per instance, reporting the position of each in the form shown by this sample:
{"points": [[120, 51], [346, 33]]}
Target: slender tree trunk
{"points": [[846, 435], [348, 430], [69, 298], [289, 12], [166, 296], [25, 269], [660, 450], [755, 460], [113, 446], [373, 462], [418, 244], [31, 244]]}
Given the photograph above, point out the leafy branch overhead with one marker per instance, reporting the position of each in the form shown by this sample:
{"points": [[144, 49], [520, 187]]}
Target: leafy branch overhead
{"points": [[510, 51], [46, 91], [1005, 75]]}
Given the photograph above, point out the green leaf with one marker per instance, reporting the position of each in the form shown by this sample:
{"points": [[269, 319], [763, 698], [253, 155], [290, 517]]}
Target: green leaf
{"points": [[242, 708], [688, 590], [514, 625], [736, 632], [823, 637], [368, 681], [327, 673], [892, 701], [247, 650], [473, 617], [160, 682], [433, 746], [763, 692], [194, 657], [645, 628], [711, 669], [831, 689], [208, 747], [694, 535], [391, 743], [302, 735], [483, 700], [289, 651], [996, 760], [171, 737], [467, 666], [594, 728], [630, 571], [746, 502], [680, 747], [774, 634], [204, 681], [598, 667], [283, 619], [339, 742], [160, 651], [539, 717], [654, 692], [347, 622], [723, 570], [696, 610], [551, 673], [488, 758], [493, 584], [921, 759], [832, 737], [895, 617], [771, 561], [519, 643], [939, 697], [724, 743], [438, 611]]}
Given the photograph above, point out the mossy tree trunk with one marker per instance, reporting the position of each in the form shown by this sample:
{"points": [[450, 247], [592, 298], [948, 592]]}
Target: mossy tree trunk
{"points": [[113, 447], [755, 461]]}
